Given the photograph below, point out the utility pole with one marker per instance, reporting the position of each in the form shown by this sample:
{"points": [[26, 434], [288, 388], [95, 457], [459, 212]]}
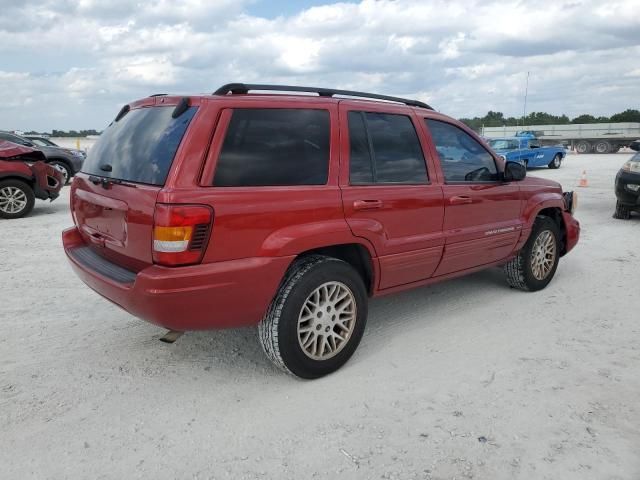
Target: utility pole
{"points": [[526, 91]]}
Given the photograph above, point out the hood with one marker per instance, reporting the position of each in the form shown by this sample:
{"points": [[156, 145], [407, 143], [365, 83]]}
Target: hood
{"points": [[540, 183], [13, 151]]}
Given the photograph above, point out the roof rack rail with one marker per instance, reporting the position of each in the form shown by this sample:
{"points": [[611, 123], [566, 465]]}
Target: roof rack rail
{"points": [[158, 95], [242, 88]]}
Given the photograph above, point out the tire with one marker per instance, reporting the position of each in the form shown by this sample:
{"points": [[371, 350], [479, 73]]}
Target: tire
{"points": [[64, 168], [520, 272], [289, 340], [556, 162], [16, 199], [622, 212], [583, 146], [602, 147]]}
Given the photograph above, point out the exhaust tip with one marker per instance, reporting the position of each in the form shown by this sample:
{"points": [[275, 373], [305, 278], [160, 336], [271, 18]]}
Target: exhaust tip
{"points": [[171, 336]]}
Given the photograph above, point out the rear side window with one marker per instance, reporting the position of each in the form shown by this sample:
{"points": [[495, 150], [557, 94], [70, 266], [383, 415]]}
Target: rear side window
{"points": [[384, 149], [275, 147], [462, 158], [140, 147]]}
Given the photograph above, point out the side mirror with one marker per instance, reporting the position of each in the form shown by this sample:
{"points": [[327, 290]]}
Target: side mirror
{"points": [[514, 172]]}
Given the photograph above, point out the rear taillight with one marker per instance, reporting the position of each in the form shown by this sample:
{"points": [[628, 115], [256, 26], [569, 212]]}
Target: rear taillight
{"points": [[180, 234]]}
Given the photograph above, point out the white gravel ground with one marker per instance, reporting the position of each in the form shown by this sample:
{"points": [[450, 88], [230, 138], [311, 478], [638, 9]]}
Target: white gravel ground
{"points": [[465, 379]]}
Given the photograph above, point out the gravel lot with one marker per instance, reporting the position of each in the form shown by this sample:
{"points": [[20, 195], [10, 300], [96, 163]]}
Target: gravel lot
{"points": [[465, 379]]}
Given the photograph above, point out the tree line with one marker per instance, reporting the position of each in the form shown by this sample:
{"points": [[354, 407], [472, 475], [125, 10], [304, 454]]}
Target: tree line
{"points": [[65, 133], [497, 119], [491, 119]]}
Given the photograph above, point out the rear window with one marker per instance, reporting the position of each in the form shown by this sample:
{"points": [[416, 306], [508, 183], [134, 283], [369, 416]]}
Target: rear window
{"points": [[272, 147], [140, 147]]}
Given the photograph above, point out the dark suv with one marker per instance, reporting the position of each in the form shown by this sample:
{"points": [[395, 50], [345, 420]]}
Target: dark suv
{"points": [[288, 211], [66, 160]]}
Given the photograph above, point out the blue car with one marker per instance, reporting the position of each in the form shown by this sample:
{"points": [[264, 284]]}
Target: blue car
{"points": [[527, 150]]}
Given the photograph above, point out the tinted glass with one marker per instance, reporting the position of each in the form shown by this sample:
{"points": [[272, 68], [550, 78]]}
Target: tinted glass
{"points": [[462, 158], [275, 147], [397, 151], [139, 147], [360, 166]]}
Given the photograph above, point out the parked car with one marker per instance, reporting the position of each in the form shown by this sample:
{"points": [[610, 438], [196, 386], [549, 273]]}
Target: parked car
{"points": [[46, 142], [627, 187], [527, 150], [63, 159], [24, 176], [288, 211], [635, 145]]}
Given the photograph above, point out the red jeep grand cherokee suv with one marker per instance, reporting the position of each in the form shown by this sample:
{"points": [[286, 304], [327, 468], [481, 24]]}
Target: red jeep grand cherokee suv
{"points": [[288, 211]]}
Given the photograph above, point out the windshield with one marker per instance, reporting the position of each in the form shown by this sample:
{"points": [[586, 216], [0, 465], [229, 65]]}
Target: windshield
{"points": [[42, 142], [139, 147], [503, 144]]}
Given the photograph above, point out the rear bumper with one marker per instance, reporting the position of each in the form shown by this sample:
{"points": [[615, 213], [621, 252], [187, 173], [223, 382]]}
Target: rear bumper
{"points": [[227, 294], [573, 231]]}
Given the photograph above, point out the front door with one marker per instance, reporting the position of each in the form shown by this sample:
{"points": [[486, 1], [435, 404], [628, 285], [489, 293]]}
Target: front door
{"points": [[387, 195], [482, 213]]}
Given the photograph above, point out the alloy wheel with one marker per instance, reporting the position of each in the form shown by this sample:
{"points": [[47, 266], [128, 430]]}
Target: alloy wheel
{"points": [[12, 200], [327, 320], [543, 255]]}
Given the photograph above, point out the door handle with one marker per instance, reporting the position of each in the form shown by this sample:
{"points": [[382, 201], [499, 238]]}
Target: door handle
{"points": [[460, 200], [367, 204]]}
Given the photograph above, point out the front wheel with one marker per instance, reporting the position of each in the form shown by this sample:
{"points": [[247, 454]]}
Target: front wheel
{"points": [[317, 318], [64, 169], [16, 199], [535, 265], [556, 162], [622, 212]]}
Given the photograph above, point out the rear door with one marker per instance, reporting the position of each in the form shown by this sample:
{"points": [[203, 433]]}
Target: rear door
{"points": [[113, 199], [387, 193], [482, 214]]}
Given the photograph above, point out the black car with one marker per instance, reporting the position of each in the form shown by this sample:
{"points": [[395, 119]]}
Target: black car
{"points": [[628, 188], [635, 145]]}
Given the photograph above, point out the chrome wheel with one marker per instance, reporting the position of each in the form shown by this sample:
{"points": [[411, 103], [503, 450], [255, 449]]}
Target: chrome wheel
{"points": [[12, 200], [556, 161], [327, 320], [64, 171], [543, 255]]}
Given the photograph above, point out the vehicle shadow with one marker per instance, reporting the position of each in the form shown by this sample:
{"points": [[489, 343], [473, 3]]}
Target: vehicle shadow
{"points": [[236, 352]]}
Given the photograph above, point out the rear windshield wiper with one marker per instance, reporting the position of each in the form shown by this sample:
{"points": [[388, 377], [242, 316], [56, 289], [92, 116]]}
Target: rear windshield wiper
{"points": [[106, 182]]}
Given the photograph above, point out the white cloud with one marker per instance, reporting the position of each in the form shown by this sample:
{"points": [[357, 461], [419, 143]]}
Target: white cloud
{"points": [[73, 63]]}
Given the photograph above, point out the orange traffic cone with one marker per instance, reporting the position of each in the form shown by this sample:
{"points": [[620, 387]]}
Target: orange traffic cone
{"points": [[583, 180]]}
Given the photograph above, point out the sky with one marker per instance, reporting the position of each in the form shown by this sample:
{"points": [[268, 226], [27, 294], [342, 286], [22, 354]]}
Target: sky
{"points": [[72, 64]]}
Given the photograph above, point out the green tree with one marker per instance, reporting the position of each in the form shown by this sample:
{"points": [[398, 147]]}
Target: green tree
{"points": [[628, 115]]}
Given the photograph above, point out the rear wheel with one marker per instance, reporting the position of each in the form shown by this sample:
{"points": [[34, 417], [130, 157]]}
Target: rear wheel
{"points": [[64, 169], [583, 146], [317, 318], [536, 264], [16, 199], [623, 212], [602, 147], [556, 162]]}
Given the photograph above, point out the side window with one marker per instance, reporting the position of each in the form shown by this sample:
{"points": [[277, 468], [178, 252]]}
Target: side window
{"points": [[271, 147], [462, 158], [384, 149]]}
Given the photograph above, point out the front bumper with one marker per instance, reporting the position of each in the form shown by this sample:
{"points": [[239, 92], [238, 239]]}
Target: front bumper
{"points": [[226, 294], [572, 227], [624, 194]]}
